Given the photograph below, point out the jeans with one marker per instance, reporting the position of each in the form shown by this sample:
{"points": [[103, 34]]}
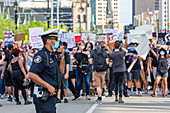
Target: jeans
{"points": [[79, 82], [2, 86], [119, 78], [112, 82]]}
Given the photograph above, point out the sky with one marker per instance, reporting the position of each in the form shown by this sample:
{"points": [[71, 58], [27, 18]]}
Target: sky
{"points": [[125, 13]]}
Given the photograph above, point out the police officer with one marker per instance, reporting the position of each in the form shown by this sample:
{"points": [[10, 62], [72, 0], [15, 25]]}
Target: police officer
{"points": [[45, 72]]}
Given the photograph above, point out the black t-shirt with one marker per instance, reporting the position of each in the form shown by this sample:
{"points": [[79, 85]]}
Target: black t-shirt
{"points": [[8, 58], [154, 60], [130, 59], [80, 57]]}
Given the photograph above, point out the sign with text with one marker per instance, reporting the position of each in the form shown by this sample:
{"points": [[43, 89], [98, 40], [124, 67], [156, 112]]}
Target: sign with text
{"points": [[69, 38], [19, 37], [34, 38], [115, 32], [92, 37], [9, 36]]}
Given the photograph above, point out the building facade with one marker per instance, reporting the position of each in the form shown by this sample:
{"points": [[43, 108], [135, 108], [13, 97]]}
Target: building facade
{"points": [[164, 16], [81, 10], [105, 12]]}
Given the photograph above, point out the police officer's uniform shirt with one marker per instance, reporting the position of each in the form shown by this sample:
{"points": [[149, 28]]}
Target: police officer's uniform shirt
{"points": [[45, 66]]}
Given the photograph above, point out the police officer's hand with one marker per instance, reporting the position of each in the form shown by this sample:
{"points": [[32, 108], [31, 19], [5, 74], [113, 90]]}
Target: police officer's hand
{"points": [[66, 76], [51, 89]]}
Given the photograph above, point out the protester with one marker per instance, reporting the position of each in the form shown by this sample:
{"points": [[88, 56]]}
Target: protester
{"points": [[6, 74], [100, 61], [19, 76], [119, 68], [162, 71], [2, 86], [82, 70]]}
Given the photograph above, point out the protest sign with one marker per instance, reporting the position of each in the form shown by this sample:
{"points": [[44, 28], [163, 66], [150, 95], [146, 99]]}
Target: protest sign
{"points": [[115, 32], [147, 29], [69, 38], [34, 38], [90, 35], [77, 38], [19, 37], [9, 36], [163, 38], [139, 36]]}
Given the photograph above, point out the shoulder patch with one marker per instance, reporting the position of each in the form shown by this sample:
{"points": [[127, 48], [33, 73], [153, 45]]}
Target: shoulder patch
{"points": [[37, 59]]}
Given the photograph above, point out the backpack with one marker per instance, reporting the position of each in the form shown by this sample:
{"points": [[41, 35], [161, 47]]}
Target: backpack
{"points": [[99, 61], [162, 66]]}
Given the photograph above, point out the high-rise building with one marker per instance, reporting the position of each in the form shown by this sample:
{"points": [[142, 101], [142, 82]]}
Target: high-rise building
{"points": [[164, 16], [140, 6], [105, 12]]}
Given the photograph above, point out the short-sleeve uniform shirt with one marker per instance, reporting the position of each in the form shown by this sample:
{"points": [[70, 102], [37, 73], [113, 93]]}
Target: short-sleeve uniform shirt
{"points": [[44, 65]]}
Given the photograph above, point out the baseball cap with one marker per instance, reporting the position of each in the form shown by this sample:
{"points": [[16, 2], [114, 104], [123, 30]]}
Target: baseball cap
{"points": [[98, 44]]}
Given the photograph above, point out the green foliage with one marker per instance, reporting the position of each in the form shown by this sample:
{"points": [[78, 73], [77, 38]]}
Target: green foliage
{"points": [[9, 24], [78, 31]]}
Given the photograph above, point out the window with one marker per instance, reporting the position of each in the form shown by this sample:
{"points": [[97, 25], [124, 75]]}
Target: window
{"points": [[84, 18], [78, 17]]}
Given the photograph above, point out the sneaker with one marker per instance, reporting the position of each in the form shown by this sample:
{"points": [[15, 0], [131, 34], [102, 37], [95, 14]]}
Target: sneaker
{"points": [[65, 100], [76, 98], [58, 101], [9, 99], [129, 93], [154, 94], [2, 96], [164, 95], [88, 97], [18, 103], [120, 101], [140, 93], [27, 103], [98, 101], [146, 92], [109, 95]]}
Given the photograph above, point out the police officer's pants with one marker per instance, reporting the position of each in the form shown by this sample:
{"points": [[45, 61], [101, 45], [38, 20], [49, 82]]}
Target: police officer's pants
{"points": [[45, 107]]}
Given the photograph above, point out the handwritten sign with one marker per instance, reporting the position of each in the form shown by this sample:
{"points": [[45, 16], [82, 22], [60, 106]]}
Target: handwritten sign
{"points": [[35, 39]]}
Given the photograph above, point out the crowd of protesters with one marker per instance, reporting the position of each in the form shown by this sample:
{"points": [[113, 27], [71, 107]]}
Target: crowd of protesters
{"points": [[89, 66]]}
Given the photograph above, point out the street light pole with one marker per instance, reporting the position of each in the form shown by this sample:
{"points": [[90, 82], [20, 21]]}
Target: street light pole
{"points": [[16, 11], [48, 16], [58, 2]]}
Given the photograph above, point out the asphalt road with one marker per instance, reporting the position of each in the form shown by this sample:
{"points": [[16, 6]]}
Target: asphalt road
{"points": [[133, 104]]}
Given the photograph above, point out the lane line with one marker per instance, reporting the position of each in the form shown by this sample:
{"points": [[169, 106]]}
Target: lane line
{"points": [[94, 106]]}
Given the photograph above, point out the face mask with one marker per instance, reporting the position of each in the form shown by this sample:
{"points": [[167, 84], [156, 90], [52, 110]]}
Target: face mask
{"points": [[162, 53], [82, 47], [57, 44]]}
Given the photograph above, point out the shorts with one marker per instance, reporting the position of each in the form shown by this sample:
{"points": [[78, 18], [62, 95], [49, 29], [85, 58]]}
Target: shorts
{"points": [[159, 75], [134, 74], [72, 74], [154, 72], [8, 79], [98, 79]]}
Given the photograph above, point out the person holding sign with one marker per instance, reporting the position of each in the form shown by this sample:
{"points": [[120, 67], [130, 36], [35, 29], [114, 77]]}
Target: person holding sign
{"points": [[162, 70], [134, 74]]}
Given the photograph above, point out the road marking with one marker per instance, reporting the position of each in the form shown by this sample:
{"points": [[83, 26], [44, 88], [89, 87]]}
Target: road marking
{"points": [[93, 107]]}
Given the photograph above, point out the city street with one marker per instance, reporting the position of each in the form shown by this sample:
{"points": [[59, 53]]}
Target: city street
{"points": [[134, 104]]}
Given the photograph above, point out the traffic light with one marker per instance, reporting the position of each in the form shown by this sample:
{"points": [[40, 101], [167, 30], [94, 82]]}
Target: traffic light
{"points": [[118, 26], [168, 25], [102, 26]]}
